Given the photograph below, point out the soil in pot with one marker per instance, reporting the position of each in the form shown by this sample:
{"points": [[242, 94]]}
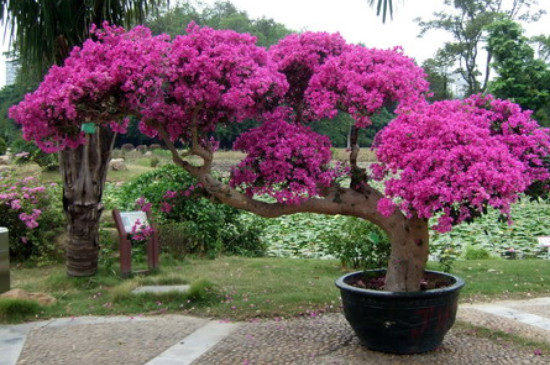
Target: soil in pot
{"points": [[374, 280]]}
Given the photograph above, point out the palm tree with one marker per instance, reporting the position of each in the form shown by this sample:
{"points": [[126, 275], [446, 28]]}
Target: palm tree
{"points": [[383, 7], [43, 32]]}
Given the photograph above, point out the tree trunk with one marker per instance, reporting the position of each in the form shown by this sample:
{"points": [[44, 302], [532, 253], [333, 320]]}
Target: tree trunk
{"points": [[84, 171], [409, 254]]}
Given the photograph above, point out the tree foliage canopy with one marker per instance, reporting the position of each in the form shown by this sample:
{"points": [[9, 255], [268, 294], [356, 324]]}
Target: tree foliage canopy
{"points": [[467, 22], [45, 31], [488, 149], [521, 77]]}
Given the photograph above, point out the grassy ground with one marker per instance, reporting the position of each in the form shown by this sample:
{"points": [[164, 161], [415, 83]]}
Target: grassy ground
{"points": [[246, 288]]}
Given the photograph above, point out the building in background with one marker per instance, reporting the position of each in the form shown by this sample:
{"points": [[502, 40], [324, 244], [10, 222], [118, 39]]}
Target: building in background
{"points": [[11, 71]]}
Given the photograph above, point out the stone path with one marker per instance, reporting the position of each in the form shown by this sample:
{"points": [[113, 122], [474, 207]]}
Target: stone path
{"points": [[175, 339], [526, 318]]}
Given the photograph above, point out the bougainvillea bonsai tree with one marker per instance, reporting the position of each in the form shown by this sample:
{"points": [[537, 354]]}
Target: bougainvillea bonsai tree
{"points": [[449, 160]]}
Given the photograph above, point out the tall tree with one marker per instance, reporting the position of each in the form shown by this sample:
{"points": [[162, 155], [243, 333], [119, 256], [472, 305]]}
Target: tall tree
{"points": [[521, 77], [467, 23], [43, 33], [439, 75]]}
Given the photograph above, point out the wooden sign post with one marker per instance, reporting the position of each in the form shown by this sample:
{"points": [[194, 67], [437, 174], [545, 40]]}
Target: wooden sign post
{"points": [[124, 222]]}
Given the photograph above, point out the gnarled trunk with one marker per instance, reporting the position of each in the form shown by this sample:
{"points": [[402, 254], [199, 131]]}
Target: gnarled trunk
{"points": [[84, 171], [409, 240]]}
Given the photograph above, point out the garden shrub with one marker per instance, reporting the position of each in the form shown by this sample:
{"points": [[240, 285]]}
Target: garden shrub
{"points": [[28, 152], [445, 248], [154, 162], [206, 228], [360, 245], [176, 240], [476, 253], [3, 146], [33, 215], [141, 148]]}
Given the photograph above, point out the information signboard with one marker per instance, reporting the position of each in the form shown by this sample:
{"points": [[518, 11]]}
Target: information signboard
{"points": [[125, 223], [130, 219]]}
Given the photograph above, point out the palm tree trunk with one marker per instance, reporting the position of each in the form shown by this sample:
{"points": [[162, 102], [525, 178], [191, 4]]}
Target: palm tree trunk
{"points": [[84, 171]]}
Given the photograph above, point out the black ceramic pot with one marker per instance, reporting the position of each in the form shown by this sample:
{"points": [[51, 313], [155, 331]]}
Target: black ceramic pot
{"points": [[400, 323]]}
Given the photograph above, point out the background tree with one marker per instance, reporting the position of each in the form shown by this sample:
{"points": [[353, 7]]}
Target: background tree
{"points": [[521, 77], [467, 23], [383, 7], [220, 15], [43, 33], [542, 44], [9, 95], [440, 75]]}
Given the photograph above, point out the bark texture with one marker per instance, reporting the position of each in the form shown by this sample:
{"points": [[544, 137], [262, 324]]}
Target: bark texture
{"points": [[84, 171], [409, 240]]}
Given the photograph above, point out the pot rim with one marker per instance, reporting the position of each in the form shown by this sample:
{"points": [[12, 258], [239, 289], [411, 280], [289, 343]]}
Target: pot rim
{"points": [[456, 286]]}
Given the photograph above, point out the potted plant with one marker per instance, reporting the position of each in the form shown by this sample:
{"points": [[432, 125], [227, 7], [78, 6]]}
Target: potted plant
{"points": [[450, 160], [400, 322]]}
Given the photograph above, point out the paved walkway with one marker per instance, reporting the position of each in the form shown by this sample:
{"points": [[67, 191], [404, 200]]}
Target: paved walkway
{"points": [[176, 339]]}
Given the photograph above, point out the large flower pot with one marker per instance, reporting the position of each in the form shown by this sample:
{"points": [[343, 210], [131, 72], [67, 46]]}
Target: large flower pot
{"points": [[400, 323]]}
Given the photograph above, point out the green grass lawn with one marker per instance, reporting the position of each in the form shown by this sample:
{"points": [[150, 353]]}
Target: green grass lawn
{"points": [[246, 288]]}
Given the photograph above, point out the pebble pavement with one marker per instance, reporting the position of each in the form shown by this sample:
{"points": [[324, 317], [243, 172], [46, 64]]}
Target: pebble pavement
{"points": [[328, 339]]}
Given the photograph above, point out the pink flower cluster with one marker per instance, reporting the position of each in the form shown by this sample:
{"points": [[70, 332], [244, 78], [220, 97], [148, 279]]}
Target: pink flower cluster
{"points": [[212, 77], [298, 57], [326, 75], [459, 157], [141, 231], [143, 205], [31, 220], [97, 84], [361, 81], [284, 160], [21, 196]]}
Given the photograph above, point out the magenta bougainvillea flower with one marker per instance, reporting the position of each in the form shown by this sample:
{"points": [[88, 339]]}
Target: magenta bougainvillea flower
{"points": [[458, 157]]}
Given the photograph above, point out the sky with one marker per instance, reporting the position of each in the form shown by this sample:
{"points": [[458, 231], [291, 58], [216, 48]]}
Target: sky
{"points": [[357, 22]]}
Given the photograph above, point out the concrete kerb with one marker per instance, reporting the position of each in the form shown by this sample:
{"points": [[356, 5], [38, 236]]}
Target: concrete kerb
{"points": [[195, 345]]}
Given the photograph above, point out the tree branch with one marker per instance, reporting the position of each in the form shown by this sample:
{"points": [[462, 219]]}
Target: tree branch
{"points": [[358, 174], [337, 200], [193, 170]]}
